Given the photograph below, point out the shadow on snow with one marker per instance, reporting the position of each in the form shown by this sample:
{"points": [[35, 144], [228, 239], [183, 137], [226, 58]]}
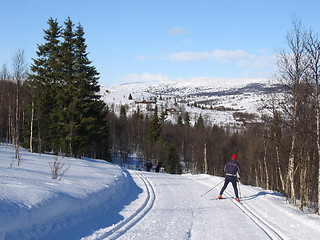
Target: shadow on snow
{"points": [[106, 219], [259, 194]]}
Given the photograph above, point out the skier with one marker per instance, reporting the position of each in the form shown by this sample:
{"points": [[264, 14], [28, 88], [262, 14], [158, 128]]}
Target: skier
{"points": [[232, 170], [149, 166], [159, 165]]}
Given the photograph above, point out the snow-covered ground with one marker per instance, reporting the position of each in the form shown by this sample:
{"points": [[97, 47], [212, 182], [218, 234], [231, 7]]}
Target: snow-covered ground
{"points": [[99, 200]]}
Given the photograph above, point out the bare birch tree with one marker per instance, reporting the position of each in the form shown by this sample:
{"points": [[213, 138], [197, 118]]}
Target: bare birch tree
{"points": [[4, 73], [205, 160], [19, 74], [292, 69], [313, 52]]}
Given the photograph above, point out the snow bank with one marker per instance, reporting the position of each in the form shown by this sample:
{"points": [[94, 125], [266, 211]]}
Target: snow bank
{"points": [[34, 206]]}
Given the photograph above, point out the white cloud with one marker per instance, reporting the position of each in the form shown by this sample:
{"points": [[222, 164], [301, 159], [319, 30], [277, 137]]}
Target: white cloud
{"points": [[144, 77], [219, 55], [238, 57], [190, 56], [176, 31], [142, 57]]}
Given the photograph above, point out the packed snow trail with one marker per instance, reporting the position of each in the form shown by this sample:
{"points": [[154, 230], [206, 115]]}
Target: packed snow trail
{"points": [[171, 207], [133, 216]]}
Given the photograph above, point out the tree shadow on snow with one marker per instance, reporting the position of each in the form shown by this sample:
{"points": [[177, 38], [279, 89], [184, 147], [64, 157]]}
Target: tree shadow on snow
{"points": [[106, 219], [260, 194]]}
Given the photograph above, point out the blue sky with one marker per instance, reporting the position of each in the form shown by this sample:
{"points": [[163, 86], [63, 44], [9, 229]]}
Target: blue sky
{"points": [[152, 40]]}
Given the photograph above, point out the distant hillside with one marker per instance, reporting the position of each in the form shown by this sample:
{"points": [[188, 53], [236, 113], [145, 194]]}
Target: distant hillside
{"points": [[218, 102]]}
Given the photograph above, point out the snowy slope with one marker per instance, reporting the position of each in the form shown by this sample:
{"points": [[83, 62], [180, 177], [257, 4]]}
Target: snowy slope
{"points": [[34, 205], [99, 200], [245, 95]]}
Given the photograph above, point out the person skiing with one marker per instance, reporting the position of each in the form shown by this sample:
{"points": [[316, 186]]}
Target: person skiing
{"points": [[159, 165], [149, 166], [232, 170]]}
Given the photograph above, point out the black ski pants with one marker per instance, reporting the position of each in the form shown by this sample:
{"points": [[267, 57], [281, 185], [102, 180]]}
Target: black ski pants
{"points": [[233, 180]]}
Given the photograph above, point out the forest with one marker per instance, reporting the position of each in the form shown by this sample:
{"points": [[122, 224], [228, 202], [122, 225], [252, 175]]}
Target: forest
{"points": [[54, 106]]}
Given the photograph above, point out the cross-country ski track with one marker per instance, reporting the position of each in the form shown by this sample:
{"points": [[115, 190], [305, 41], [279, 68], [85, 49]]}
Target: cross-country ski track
{"points": [[134, 216], [171, 207]]}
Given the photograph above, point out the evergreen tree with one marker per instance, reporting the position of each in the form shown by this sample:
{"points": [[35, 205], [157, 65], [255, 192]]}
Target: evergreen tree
{"points": [[200, 123], [154, 128], [46, 72], [163, 116], [173, 163], [67, 112], [187, 119], [137, 113], [85, 110], [123, 112], [76, 117], [179, 121]]}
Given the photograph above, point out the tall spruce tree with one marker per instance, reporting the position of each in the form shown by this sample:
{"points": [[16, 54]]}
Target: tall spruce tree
{"points": [[92, 127], [76, 117], [68, 114], [154, 128], [172, 161], [44, 80]]}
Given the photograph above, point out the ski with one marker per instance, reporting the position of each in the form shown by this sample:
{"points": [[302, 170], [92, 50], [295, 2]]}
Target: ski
{"points": [[227, 198], [221, 198]]}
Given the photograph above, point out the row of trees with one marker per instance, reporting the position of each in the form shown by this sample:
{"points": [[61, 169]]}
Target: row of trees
{"points": [[299, 118], [58, 108]]}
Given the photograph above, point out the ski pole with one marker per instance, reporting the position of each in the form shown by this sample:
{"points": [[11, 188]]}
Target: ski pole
{"points": [[239, 189], [212, 188]]}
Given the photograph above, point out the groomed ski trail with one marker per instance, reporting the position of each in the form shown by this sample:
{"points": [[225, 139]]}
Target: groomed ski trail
{"points": [[171, 207], [275, 226], [122, 227], [271, 231]]}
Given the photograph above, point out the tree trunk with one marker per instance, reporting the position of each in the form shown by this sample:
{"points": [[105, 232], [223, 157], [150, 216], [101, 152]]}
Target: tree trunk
{"points": [[282, 180], [265, 162], [10, 122], [303, 178], [205, 160], [31, 127], [318, 133], [291, 169], [318, 143], [16, 128], [39, 138]]}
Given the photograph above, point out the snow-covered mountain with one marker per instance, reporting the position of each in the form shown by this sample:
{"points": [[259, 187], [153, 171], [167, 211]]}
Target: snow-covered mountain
{"points": [[216, 100]]}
